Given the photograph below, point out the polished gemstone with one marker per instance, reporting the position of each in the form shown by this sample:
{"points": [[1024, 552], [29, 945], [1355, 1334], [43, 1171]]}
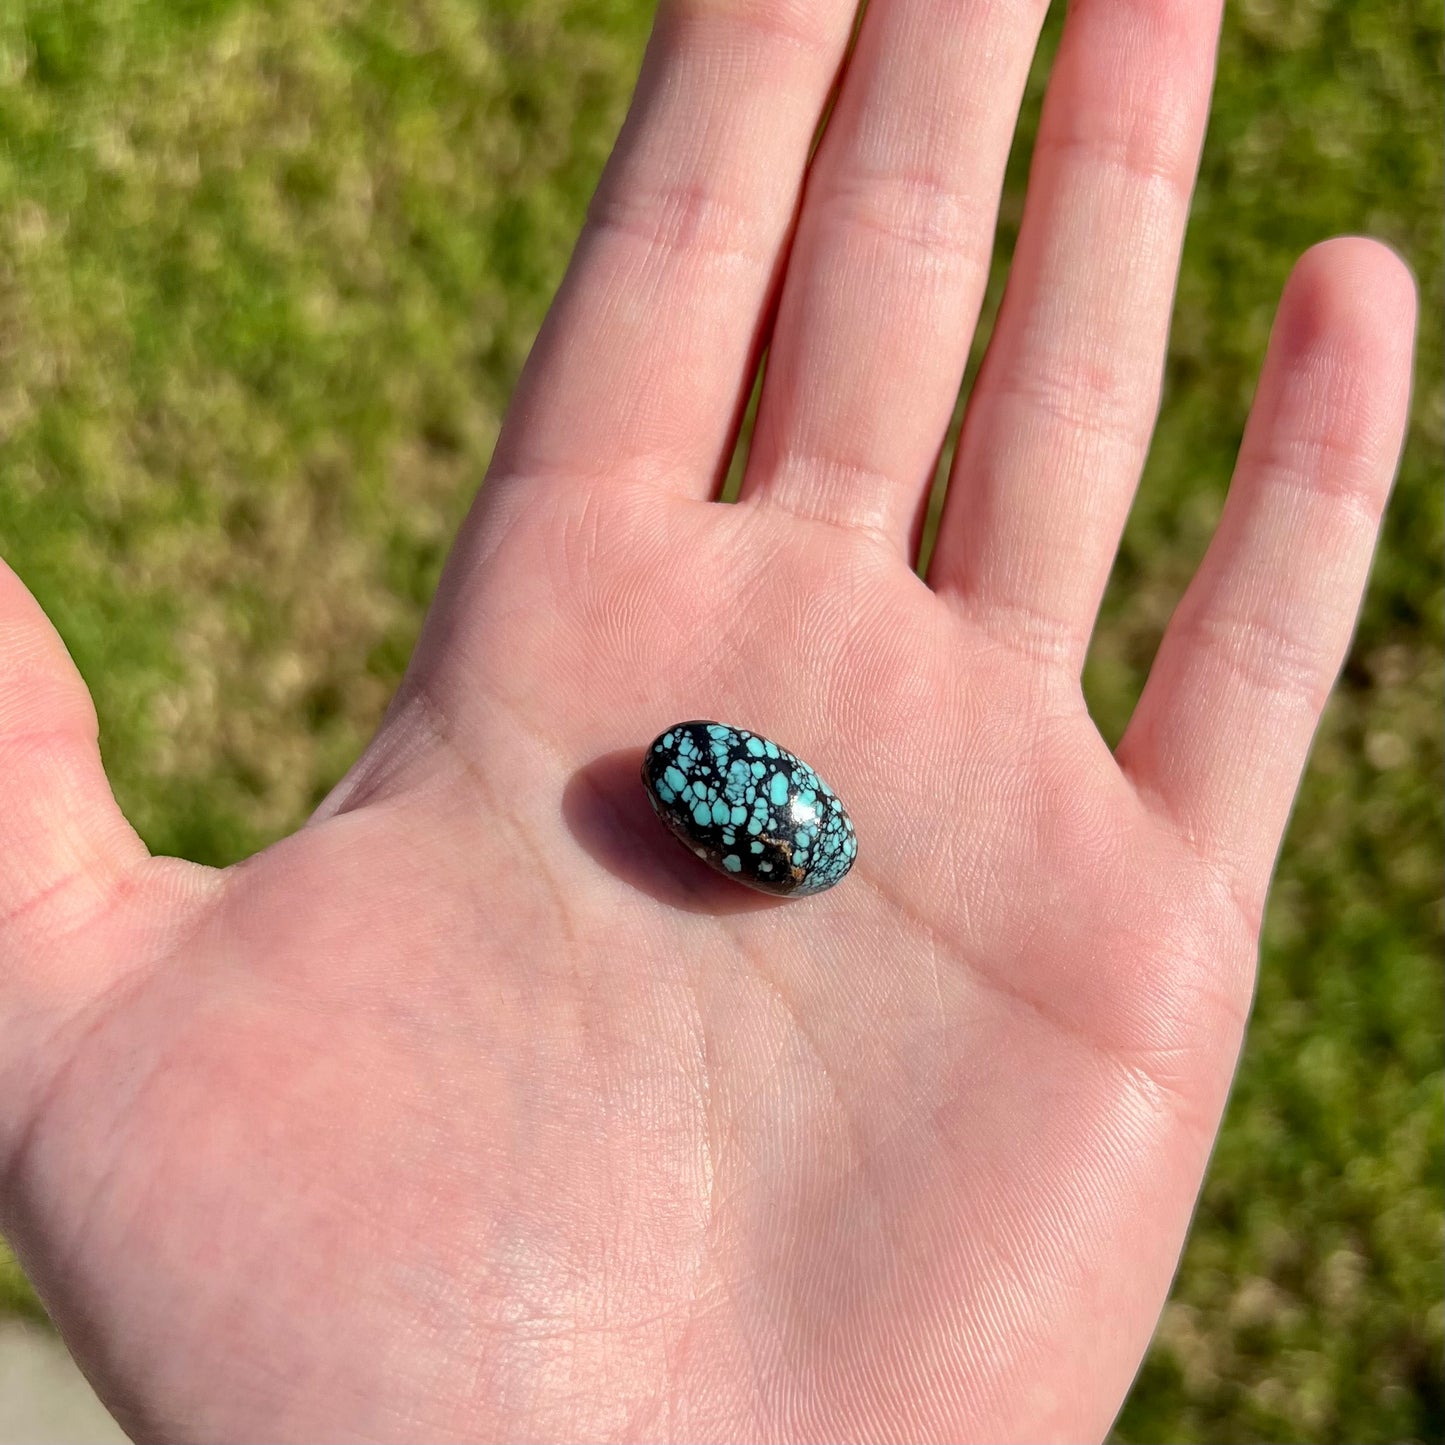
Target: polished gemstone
{"points": [[748, 807]]}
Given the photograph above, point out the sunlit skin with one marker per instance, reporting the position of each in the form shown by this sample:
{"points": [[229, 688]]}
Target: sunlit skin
{"points": [[477, 1108]]}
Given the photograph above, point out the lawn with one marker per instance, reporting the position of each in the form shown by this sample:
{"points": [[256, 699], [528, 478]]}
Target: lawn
{"points": [[267, 273]]}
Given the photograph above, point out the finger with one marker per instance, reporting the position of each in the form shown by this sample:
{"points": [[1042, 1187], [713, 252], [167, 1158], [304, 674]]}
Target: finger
{"points": [[1221, 732], [650, 347], [1058, 423], [890, 262], [65, 849]]}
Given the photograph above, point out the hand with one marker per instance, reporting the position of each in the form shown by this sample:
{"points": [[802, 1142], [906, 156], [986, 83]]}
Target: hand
{"points": [[477, 1108]]}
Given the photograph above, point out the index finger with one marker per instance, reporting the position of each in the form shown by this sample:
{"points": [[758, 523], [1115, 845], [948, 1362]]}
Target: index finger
{"points": [[648, 352]]}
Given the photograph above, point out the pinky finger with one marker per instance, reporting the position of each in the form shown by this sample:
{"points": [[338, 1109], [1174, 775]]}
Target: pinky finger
{"points": [[1221, 733]]}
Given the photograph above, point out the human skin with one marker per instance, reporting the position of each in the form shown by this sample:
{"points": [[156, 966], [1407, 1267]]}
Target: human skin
{"points": [[477, 1108]]}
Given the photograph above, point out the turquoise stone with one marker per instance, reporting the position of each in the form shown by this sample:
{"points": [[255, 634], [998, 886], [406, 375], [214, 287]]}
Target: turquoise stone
{"points": [[749, 808]]}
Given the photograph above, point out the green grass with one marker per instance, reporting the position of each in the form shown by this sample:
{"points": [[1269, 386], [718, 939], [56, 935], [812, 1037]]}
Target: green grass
{"points": [[267, 272]]}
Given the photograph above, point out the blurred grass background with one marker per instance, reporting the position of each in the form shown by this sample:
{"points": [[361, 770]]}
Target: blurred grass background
{"points": [[267, 273]]}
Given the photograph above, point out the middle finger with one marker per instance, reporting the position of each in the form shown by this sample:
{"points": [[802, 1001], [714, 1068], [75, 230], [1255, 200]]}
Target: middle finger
{"points": [[890, 262]]}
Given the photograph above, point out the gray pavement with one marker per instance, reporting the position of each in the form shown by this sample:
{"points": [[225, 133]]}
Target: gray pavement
{"points": [[44, 1399]]}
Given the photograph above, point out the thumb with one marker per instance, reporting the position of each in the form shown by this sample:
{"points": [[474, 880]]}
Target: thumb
{"points": [[82, 903], [65, 849]]}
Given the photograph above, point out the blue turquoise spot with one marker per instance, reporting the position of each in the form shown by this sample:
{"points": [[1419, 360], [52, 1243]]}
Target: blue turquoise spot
{"points": [[738, 782]]}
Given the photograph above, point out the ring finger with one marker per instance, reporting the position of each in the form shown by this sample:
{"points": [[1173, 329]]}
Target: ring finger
{"points": [[1059, 422]]}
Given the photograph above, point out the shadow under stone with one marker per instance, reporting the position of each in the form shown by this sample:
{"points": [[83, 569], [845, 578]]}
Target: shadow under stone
{"points": [[606, 809]]}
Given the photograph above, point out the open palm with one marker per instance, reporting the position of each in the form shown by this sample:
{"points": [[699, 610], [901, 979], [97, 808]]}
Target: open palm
{"points": [[478, 1107]]}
